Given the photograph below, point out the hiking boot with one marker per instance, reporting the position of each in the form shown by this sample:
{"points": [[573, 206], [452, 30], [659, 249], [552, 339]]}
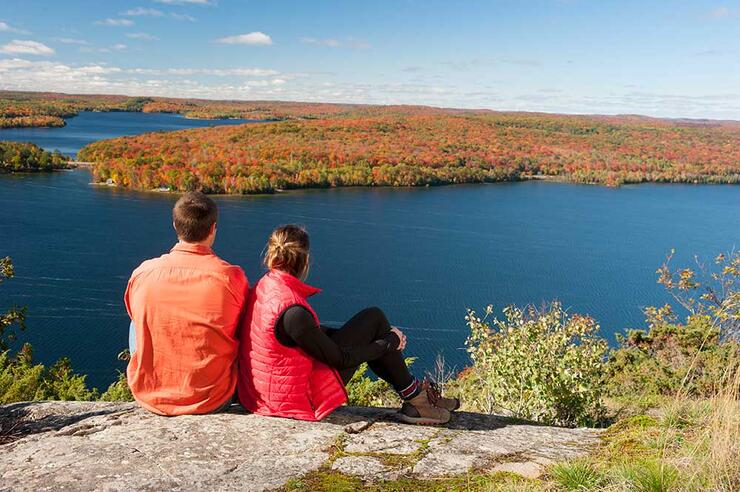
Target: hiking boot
{"points": [[435, 396], [419, 410]]}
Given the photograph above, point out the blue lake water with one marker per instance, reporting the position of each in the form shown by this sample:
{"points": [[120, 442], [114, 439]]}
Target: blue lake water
{"points": [[424, 255], [88, 127]]}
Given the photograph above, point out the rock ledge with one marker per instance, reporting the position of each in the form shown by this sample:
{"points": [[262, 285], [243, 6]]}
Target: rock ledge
{"points": [[117, 446]]}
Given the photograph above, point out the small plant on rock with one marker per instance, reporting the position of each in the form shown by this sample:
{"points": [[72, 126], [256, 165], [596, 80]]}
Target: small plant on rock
{"points": [[542, 365]]}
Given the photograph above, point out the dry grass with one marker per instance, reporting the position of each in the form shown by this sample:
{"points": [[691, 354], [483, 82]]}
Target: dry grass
{"points": [[686, 444], [722, 436]]}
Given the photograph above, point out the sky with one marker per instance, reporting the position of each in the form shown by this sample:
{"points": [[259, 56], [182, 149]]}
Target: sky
{"points": [[653, 57]]}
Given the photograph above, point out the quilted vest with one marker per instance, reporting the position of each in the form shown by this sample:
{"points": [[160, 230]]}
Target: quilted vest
{"points": [[274, 379]]}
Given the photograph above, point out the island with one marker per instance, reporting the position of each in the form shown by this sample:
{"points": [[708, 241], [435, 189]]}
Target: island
{"points": [[28, 157]]}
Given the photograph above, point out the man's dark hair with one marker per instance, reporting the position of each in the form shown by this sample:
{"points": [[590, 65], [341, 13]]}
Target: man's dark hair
{"points": [[193, 215]]}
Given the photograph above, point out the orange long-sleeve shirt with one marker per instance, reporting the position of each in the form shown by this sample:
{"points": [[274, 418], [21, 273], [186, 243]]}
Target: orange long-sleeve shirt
{"points": [[186, 306]]}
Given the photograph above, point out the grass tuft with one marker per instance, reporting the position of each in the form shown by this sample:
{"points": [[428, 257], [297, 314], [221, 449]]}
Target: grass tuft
{"points": [[576, 475]]}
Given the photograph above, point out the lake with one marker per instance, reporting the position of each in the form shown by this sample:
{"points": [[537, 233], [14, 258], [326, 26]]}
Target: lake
{"points": [[423, 254], [89, 126]]}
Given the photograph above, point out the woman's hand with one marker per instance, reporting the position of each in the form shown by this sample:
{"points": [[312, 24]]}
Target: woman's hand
{"points": [[401, 338]]}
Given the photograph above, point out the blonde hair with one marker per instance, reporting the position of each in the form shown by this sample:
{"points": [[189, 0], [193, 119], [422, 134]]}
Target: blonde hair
{"points": [[287, 250]]}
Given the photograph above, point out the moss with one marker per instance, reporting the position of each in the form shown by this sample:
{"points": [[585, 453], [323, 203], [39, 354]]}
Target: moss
{"points": [[324, 480], [332, 481], [336, 450], [627, 438], [399, 461]]}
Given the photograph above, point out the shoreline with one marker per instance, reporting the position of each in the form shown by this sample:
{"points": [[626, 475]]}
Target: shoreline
{"points": [[278, 191]]}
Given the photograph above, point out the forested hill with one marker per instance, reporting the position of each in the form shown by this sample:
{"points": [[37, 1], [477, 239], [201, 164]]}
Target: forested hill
{"points": [[412, 146], [49, 109]]}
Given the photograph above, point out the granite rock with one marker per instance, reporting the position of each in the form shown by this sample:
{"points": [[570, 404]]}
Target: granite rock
{"points": [[118, 446]]}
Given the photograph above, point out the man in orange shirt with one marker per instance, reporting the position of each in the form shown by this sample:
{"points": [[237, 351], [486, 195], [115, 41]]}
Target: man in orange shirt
{"points": [[185, 307]]}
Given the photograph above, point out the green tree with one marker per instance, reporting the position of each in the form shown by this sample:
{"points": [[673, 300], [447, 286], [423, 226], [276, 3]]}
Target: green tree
{"points": [[15, 316]]}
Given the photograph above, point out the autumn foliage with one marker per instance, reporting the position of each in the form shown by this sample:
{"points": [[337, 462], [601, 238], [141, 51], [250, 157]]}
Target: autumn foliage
{"points": [[400, 147], [302, 145], [46, 109]]}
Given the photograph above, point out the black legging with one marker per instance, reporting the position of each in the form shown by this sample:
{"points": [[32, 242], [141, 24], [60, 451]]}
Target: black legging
{"points": [[363, 328]]}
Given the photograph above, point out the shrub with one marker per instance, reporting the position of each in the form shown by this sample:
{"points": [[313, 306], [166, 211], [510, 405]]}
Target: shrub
{"points": [[119, 390], [540, 365], [61, 383], [707, 291], [15, 315], [22, 380], [365, 391], [670, 358], [689, 358]]}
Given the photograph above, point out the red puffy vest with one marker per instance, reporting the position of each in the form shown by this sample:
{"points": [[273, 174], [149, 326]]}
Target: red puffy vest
{"points": [[278, 380]]}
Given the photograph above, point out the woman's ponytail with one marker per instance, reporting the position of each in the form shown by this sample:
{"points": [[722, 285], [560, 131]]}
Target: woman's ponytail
{"points": [[287, 250]]}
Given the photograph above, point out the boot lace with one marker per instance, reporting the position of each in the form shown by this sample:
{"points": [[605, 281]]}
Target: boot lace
{"points": [[433, 393]]}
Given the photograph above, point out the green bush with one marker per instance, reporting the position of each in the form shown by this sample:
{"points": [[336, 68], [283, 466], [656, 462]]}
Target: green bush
{"points": [[15, 316], [670, 358], [540, 365], [22, 380], [364, 391], [119, 390], [690, 358]]}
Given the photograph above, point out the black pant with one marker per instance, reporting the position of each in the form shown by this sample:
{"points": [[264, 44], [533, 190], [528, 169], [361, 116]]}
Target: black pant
{"points": [[364, 327]]}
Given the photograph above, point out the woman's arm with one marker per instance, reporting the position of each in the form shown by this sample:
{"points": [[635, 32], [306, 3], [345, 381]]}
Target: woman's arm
{"points": [[297, 328]]}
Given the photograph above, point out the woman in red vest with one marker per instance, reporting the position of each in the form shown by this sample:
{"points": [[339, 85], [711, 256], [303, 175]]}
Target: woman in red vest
{"points": [[290, 366]]}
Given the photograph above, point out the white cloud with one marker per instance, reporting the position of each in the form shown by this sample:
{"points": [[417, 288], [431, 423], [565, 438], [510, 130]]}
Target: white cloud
{"points": [[182, 17], [142, 11], [720, 13], [251, 83], [332, 43], [358, 44], [723, 12], [70, 41], [253, 38], [115, 22], [5, 27], [97, 69], [147, 12], [216, 72], [105, 49], [186, 2], [141, 36], [18, 47], [349, 42]]}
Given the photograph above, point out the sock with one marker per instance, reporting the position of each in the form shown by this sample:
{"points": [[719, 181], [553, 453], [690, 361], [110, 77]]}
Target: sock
{"points": [[410, 391]]}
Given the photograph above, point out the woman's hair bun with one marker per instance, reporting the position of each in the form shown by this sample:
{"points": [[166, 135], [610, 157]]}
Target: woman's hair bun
{"points": [[287, 250]]}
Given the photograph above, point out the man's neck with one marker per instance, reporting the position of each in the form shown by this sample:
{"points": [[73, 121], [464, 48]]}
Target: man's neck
{"points": [[201, 243]]}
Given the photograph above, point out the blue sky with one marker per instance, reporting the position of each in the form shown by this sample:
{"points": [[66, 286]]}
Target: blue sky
{"points": [[653, 57]]}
